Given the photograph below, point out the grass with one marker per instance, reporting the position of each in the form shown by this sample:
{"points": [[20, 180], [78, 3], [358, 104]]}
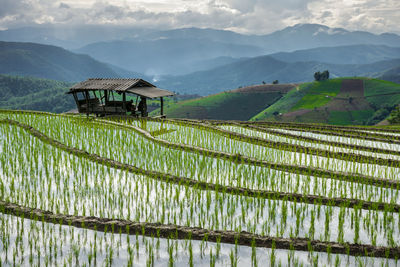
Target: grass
{"points": [[382, 93], [319, 94], [316, 98], [226, 105], [355, 117], [284, 104]]}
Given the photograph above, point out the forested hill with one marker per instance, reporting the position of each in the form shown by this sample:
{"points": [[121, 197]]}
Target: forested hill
{"points": [[34, 94]]}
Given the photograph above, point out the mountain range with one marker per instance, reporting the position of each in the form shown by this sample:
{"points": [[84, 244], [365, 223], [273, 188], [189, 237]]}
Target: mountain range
{"points": [[203, 61], [182, 51], [266, 69], [51, 62]]}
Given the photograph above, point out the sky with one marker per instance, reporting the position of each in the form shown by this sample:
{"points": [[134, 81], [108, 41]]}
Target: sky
{"points": [[243, 16]]}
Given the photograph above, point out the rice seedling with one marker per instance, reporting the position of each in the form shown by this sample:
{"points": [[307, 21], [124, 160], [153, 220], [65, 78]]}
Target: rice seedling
{"points": [[39, 175]]}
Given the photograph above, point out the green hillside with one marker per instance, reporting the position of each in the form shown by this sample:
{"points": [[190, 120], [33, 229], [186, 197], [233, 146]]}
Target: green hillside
{"points": [[34, 94], [239, 104], [341, 101]]}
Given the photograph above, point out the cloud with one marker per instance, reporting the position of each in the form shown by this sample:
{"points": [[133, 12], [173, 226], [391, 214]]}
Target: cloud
{"points": [[250, 16]]}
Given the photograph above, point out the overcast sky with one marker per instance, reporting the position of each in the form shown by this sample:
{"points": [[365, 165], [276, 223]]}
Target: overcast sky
{"points": [[244, 16]]}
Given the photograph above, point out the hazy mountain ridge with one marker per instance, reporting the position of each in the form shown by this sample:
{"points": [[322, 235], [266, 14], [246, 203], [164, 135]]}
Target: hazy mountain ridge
{"points": [[353, 54], [51, 62], [181, 51], [165, 56], [177, 52], [266, 68]]}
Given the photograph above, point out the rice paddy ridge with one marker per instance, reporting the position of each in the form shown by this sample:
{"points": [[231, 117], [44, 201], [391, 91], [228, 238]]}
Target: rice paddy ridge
{"points": [[322, 126], [296, 169], [119, 226], [383, 134], [296, 148], [317, 140], [364, 134], [274, 195], [350, 177], [358, 135]]}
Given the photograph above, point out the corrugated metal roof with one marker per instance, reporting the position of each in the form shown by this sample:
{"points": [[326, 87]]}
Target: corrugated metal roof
{"points": [[135, 86], [150, 92]]}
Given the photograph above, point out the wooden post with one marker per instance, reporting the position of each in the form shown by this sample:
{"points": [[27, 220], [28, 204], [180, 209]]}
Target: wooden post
{"points": [[124, 101], [162, 106], [87, 103]]}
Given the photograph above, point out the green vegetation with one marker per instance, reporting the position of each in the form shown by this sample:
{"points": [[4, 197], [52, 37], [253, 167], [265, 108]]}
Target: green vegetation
{"points": [[224, 106], [321, 76], [381, 93], [195, 175], [324, 102], [319, 94], [357, 117], [394, 117], [285, 104], [34, 94]]}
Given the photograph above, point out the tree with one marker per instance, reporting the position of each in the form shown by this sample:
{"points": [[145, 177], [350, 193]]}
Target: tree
{"points": [[318, 76], [324, 76], [275, 82], [394, 117]]}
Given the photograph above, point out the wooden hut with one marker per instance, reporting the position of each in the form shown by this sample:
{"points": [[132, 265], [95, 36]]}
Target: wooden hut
{"points": [[110, 96]]}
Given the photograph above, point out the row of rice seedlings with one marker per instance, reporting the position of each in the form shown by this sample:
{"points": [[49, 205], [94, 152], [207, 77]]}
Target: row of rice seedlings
{"points": [[36, 175], [28, 242], [343, 139], [212, 140], [133, 149], [314, 144], [373, 131], [379, 132]]}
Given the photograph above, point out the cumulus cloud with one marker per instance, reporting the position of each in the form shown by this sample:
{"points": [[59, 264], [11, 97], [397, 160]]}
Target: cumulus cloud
{"points": [[250, 16]]}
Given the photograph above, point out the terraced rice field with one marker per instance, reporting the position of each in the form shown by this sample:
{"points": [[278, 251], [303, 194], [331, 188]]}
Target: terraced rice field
{"points": [[117, 192]]}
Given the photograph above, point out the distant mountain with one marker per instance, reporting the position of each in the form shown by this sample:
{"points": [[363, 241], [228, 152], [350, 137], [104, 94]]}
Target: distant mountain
{"points": [[69, 37], [392, 75], [306, 36], [251, 71], [167, 56], [181, 51], [300, 36], [51, 62], [353, 54], [29, 93]]}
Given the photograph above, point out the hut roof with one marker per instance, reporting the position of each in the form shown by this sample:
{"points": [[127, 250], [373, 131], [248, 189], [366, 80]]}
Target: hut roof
{"points": [[136, 86]]}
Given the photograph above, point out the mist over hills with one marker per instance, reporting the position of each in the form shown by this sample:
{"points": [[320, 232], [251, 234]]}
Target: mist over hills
{"points": [[180, 51], [51, 62], [165, 56], [266, 68], [186, 50], [201, 61], [352, 54]]}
